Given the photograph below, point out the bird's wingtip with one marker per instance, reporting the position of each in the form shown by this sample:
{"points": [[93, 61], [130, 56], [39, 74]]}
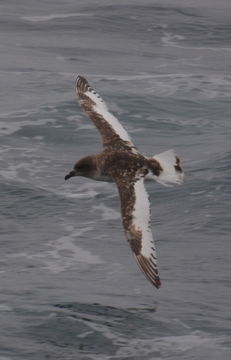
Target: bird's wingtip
{"points": [[81, 83], [78, 79]]}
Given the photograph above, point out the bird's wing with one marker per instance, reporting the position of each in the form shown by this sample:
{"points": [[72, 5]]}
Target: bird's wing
{"points": [[112, 132], [135, 208]]}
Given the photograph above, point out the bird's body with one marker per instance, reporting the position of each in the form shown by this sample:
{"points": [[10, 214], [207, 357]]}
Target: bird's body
{"points": [[120, 162], [102, 166]]}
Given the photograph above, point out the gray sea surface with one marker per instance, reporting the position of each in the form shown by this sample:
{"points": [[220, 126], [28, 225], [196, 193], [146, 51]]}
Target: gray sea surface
{"points": [[69, 286]]}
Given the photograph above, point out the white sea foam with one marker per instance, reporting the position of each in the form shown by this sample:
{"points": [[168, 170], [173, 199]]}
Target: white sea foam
{"points": [[5, 307], [38, 138], [88, 190], [11, 126], [86, 333], [167, 345], [54, 16], [203, 86], [207, 48], [106, 212], [19, 171], [80, 123], [173, 40], [9, 174], [89, 194], [169, 39], [18, 114], [63, 254], [11, 171]]}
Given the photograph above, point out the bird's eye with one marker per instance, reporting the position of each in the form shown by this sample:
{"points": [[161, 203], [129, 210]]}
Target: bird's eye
{"points": [[82, 166]]}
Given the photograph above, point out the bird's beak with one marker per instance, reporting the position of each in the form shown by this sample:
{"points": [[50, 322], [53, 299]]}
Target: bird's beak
{"points": [[71, 173]]}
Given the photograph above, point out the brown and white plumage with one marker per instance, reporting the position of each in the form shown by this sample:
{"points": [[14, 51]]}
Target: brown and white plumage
{"points": [[135, 209], [121, 162], [112, 132]]}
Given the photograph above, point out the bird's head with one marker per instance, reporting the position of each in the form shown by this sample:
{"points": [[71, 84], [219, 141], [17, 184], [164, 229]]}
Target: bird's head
{"points": [[84, 167]]}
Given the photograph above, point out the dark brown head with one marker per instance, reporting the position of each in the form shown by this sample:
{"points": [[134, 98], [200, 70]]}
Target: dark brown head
{"points": [[84, 167]]}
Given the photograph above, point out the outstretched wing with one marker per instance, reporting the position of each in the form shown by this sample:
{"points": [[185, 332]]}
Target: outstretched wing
{"points": [[135, 208], [112, 132]]}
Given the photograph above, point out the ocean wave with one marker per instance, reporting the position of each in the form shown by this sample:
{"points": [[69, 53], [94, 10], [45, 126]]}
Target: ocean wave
{"points": [[10, 127], [63, 253], [128, 337], [90, 194], [173, 40], [209, 86], [169, 345], [54, 16], [81, 124], [197, 86], [3, 308], [88, 190], [169, 39], [106, 212]]}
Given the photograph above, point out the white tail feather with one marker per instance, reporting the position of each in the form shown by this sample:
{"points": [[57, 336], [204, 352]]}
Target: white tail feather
{"points": [[172, 172]]}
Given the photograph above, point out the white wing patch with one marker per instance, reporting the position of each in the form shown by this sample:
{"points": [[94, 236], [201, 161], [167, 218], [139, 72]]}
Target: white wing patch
{"points": [[107, 124], [141, 218], [101, 108]]}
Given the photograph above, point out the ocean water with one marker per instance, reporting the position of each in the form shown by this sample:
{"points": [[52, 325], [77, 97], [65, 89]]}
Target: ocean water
{"points": [[70, 288]]}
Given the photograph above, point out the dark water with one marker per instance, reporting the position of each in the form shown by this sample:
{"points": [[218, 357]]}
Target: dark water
{"points": [[70, 288]]}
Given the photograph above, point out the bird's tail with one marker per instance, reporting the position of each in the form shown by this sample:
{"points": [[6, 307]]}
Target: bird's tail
{"points": [[172, 172]]}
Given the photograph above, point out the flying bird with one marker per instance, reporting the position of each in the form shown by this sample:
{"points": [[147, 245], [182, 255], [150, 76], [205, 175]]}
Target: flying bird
{"points": [[120, 162]]}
